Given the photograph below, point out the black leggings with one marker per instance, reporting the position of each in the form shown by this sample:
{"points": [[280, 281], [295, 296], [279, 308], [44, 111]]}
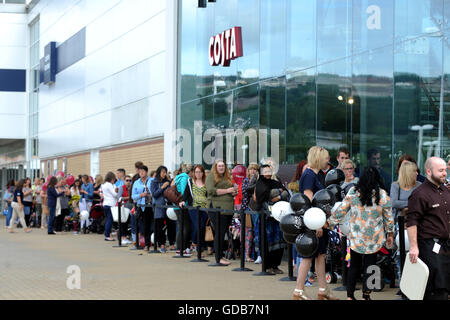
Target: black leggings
{"points": [[225, 223], [274, 258], [160, 236], [186, 229], [147, 216], [171, 231], [356, 261]]}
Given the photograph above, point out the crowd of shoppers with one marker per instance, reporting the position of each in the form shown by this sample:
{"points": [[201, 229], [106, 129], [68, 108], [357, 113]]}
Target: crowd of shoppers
{"points": [[371, 208]]}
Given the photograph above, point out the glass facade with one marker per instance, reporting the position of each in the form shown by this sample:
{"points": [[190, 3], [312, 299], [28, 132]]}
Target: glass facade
{"points": [[365, 74]]}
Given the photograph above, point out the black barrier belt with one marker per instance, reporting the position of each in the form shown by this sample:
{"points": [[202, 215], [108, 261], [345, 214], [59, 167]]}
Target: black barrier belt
{"points": [[217, 240]]}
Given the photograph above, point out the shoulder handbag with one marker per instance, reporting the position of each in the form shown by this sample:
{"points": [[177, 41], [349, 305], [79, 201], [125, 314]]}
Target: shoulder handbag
{"points": [[172, 194], [209, 236]]}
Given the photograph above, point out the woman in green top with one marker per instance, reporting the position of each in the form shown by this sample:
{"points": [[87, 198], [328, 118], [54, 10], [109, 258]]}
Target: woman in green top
{"points": [[221, 192], [199, 200]]}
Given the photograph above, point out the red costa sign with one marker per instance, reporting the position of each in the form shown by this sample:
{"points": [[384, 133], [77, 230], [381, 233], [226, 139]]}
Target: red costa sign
{"points": [[225, 47]]}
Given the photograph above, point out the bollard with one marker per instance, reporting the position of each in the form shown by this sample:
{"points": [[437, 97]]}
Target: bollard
{"points": [[137, 247], [155, 234], [181, 236], [263, 245], [119, 234], [401, 233], [199, 245], [290, 276], [217, 242], [242, 267]]}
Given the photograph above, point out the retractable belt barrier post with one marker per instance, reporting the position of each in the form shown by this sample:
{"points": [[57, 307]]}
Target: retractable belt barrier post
{"points": [[119, 204], [155, 233], [263, 245], [401, 233], [199, 243], [242, 267], [290, 276]]}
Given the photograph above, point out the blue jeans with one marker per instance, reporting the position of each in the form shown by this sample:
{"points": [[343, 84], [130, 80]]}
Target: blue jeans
{"points": [[51, 218], [109, 221], [26, 210], [203, 218], [9, 215]]}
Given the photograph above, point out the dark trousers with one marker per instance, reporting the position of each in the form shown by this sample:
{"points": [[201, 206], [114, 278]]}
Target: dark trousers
{"points": [[203, 217], [171, 231], [273, 259], [439, 266], [28, 219], [356, 261], [59, 220], [183, 243], [160, 234], [124, 227], [225, 222], [147, 216]]}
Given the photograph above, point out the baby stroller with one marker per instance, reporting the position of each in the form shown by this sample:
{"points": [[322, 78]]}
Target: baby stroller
{"points": [[234, 240], [97, 219], [386, 263], [333, 258]]}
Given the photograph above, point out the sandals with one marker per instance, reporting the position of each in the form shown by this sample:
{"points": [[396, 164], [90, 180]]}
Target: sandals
{"points": [[225, 261], [300, 295], [249, 260], [325, 294]]}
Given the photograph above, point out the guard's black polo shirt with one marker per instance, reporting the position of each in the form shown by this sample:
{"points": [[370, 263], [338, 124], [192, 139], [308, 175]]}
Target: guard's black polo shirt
{"points": [[429, 210]]}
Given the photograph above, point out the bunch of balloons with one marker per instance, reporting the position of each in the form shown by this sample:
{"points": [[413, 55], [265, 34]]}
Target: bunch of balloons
{"points": [[300, 218]]}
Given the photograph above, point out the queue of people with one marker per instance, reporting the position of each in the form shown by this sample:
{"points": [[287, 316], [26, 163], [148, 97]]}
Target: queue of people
{"points": [[371, 209]]}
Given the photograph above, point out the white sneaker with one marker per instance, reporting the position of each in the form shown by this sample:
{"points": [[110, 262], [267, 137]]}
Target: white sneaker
{"points": [[259, 260], [126, 241]]}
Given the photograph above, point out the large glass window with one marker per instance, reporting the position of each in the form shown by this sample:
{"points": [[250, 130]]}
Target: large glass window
{"points": [[333, 107], [334, 32], [300, 114], [368, 74], [373, 24], [301, 34], [372, 93]]}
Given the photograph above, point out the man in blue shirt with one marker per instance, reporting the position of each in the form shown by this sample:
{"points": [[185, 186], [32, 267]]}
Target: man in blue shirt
{"points": [[141, 195], [87, 192], [120, 181]]}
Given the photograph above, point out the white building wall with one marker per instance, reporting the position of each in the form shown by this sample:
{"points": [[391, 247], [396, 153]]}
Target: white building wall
{"points": [[13, 55], [118, 93]]}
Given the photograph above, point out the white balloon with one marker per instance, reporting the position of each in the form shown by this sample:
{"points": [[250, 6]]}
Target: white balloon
{"points": [[397, 241], [84, 215], [171, 214], [314, 218], [152, 238], [281, 209]]}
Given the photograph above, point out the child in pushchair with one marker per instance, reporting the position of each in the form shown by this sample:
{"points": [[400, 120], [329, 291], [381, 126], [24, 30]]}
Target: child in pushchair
{"points": [[234, 240], [97, 219]]}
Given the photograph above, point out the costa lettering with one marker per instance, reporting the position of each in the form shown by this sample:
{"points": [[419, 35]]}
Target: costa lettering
{"points": [[225, 46]]}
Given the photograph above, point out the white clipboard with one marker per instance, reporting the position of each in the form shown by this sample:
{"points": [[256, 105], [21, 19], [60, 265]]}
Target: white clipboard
{"points": [[414, 279]]}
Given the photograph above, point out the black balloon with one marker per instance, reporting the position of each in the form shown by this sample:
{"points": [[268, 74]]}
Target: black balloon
{"points": [[299, 213], [292, 224], [336, 190], [284, 196], [299, 201], [348, 187], [290, 238], [274, 193], [325, 200], [307, 243], [334, 176]]}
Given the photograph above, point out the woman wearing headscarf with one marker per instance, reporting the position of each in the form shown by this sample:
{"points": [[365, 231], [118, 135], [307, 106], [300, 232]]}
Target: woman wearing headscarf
{"points": [[275, 241]]}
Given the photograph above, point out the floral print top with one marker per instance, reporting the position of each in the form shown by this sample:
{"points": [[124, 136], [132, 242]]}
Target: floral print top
{"points": [[368, 225]]}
